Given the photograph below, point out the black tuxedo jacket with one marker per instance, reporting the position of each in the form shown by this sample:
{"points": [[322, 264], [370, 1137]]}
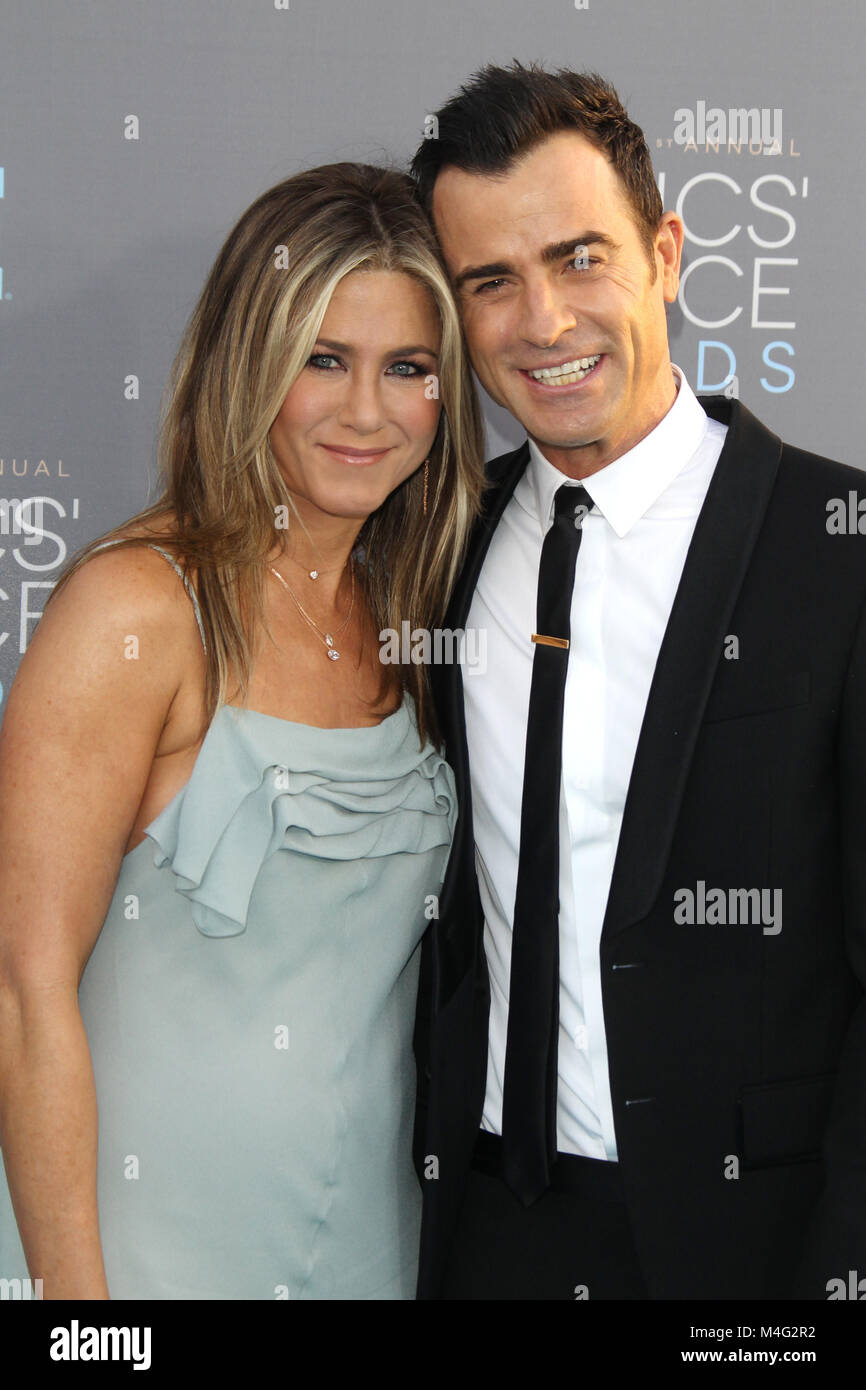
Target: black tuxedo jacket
{"points": [[737, 1057]]}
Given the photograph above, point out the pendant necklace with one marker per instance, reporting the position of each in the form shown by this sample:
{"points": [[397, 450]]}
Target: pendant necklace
{"points": [[312, 573], [326, 637]]}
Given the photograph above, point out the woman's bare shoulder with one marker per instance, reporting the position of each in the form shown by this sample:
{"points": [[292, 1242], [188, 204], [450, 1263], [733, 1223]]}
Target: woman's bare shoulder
{"points": [[160, 535], [123, 585], [162, 531]]}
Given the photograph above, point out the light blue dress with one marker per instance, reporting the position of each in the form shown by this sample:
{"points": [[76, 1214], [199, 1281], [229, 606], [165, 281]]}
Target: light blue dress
{"points": [[249, 1007]]}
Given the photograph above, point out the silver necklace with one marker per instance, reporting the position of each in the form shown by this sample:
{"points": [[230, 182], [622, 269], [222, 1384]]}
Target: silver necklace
{"points": [[326, 637]]}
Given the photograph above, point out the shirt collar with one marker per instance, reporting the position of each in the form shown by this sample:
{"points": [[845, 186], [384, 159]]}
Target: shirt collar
{"points": [[625, 489]]}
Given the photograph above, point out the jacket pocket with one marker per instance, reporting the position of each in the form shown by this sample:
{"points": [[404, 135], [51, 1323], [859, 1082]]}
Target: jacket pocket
{"points": [[738, 692], [784, 1122]]}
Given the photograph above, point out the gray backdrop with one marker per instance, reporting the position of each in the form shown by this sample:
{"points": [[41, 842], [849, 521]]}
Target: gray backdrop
{"points": [[105, 240]]}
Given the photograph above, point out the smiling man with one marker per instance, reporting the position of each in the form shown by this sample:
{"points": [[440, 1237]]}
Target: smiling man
{"points": [[618, 1099], [535, 337]]}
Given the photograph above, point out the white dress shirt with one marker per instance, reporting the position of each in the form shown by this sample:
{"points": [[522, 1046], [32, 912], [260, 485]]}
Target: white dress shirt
{"points": [[629, 565]]}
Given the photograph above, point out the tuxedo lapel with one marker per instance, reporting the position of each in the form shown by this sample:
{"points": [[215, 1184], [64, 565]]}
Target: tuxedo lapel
{"points": [[504, 475], [447, 680], [457, 944], [718, 557]]}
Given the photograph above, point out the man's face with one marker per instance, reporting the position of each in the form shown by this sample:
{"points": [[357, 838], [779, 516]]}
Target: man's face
{"points": [[549, 269]]}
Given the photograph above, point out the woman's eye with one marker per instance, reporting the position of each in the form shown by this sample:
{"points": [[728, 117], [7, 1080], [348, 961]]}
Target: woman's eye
{"points": [[415, 368], [323, 362]]}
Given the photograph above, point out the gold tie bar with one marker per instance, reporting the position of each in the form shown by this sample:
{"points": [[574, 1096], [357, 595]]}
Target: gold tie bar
{"points": [[550, 641]]}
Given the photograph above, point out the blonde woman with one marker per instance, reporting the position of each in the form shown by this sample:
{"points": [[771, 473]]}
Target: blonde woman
{"points": [[221, 815]]}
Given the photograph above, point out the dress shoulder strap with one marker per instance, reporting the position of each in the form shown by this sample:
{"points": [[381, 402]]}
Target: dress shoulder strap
{"points": [[186, 584]]}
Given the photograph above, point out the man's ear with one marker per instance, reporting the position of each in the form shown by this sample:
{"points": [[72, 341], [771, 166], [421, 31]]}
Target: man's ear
{"points": [[668, 250]]}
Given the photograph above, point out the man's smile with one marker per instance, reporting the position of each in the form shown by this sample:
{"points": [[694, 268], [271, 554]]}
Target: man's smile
{"points": [[569, 373]]}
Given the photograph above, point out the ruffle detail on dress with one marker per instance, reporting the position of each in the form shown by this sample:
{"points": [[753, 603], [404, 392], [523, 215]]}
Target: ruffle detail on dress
{"points": [[261, 784]]}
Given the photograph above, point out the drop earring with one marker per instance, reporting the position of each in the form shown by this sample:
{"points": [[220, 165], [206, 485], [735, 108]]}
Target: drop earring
{"points": [[426, 475]]}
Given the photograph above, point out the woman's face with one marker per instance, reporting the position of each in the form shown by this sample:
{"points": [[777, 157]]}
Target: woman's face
{"points": [[363, 413]]}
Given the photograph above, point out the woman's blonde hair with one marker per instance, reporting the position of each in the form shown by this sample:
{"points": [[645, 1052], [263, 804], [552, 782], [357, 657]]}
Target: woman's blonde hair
{"points": [[249, 338]]}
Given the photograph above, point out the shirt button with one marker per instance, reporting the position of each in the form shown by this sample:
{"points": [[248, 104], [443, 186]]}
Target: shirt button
{"points": [[581, 1037]]}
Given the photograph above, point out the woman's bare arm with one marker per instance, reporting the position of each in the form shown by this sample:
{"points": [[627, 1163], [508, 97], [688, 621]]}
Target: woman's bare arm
{"points": [[83, 724]]}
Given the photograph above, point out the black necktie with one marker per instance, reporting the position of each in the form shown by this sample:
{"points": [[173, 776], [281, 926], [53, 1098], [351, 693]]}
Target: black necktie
{"points": [[530, 1085]]}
